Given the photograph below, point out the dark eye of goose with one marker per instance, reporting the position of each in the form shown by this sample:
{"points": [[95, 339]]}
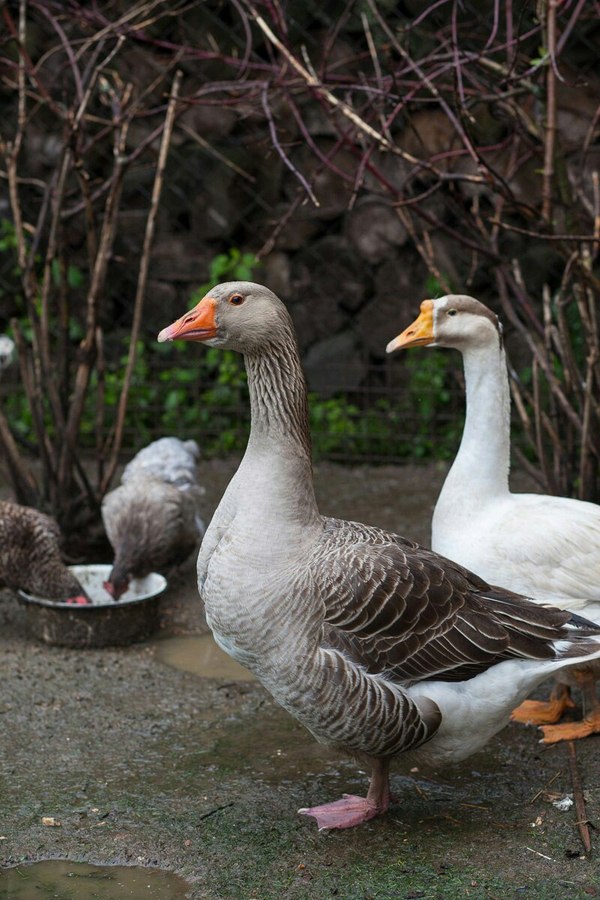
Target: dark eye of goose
{"points": [[452, 312], [236, 299]]}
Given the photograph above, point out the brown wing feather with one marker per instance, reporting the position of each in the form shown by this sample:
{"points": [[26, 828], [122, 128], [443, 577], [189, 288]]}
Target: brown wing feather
{"points": [[397, 607]]}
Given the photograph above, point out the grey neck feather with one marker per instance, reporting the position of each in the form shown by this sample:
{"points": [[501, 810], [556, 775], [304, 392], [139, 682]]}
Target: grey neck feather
{"points": [[275, 475], [278, 401]]}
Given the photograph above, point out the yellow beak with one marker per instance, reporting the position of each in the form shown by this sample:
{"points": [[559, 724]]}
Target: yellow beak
{"points": [[419, 333]]}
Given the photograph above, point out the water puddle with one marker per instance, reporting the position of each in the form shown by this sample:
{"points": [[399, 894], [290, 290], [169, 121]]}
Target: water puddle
{"points": [[59, 879], [200, 655]]}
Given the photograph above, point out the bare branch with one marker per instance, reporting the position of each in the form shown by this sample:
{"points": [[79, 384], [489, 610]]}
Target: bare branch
{"points": [[550, 125], [142, 280]]}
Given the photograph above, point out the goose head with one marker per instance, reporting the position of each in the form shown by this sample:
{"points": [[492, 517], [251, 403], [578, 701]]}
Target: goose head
{"points": [[454, 321], [235, 315]]}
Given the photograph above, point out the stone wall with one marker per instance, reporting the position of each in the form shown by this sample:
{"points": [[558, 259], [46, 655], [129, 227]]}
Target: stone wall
{"points": [[350, 271]]}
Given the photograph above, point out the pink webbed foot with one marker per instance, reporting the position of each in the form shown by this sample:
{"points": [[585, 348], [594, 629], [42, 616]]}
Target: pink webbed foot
{"points": [[344, 813]]}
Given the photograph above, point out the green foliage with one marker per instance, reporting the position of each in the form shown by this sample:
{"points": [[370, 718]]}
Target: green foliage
{"points": [[185, 390], [8, 237], [420, 423], [433, 286], [18, 413], [204, 393], [427, 400], [335, 424], [9, 282], [231, 266], [74, 275], [205, 398], [191, 391], [340, 428], [173, 390], [142, 396], [542, 59]]}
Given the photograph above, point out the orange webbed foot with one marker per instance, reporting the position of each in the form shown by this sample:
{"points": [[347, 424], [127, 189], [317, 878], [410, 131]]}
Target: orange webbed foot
{"points": [[538, 712], [572, 731]]}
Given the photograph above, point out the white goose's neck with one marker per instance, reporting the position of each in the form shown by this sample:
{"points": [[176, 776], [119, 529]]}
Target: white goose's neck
{"points": [[483, 459]]}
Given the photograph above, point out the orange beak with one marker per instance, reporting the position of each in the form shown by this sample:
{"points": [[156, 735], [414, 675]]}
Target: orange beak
{"points": [[199, 324], [419, 333]]}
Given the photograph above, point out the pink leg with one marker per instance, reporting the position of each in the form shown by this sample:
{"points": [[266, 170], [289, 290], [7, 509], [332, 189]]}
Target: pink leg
{"points": [[351, 810]]}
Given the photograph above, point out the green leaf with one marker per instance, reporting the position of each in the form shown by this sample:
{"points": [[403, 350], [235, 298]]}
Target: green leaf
{"points": [[74, 277]]}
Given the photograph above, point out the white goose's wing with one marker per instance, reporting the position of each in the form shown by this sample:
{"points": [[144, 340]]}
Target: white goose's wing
{"points": [[549, 547]]}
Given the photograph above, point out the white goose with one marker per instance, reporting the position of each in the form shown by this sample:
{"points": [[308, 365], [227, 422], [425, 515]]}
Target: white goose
{"points": [[531, 543], [376, 645]]}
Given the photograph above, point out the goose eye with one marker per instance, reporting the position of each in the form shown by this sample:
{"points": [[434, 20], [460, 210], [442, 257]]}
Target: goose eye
{"points": [[236, 299], [452, 312]]}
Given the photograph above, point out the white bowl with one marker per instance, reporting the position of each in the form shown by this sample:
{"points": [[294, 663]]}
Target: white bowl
{"points": [[104, 621], [92, 578]]}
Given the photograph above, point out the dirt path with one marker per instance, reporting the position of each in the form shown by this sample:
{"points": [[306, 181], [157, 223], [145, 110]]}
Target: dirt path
{"points": [[144, 764]]}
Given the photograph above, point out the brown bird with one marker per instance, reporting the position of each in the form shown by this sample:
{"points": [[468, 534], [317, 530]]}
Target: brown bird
{"points": [[378, 646], [30, 557], [152, 518]]}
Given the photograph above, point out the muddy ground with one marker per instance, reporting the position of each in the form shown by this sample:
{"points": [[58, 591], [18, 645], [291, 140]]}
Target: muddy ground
{"points": [[144, 764]]}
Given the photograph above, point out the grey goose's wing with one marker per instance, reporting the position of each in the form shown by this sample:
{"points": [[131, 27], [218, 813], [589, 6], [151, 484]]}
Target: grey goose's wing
{"points": [[399, 608]]}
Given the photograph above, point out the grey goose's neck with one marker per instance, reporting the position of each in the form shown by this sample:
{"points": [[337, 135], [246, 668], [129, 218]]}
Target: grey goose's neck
{"points": [[276, 472], [278, 400], [484, 455]]}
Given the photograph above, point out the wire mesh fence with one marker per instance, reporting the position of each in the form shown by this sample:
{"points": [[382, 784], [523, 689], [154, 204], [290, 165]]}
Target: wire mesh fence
{"points": [[354, 157], [385, 420]]}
